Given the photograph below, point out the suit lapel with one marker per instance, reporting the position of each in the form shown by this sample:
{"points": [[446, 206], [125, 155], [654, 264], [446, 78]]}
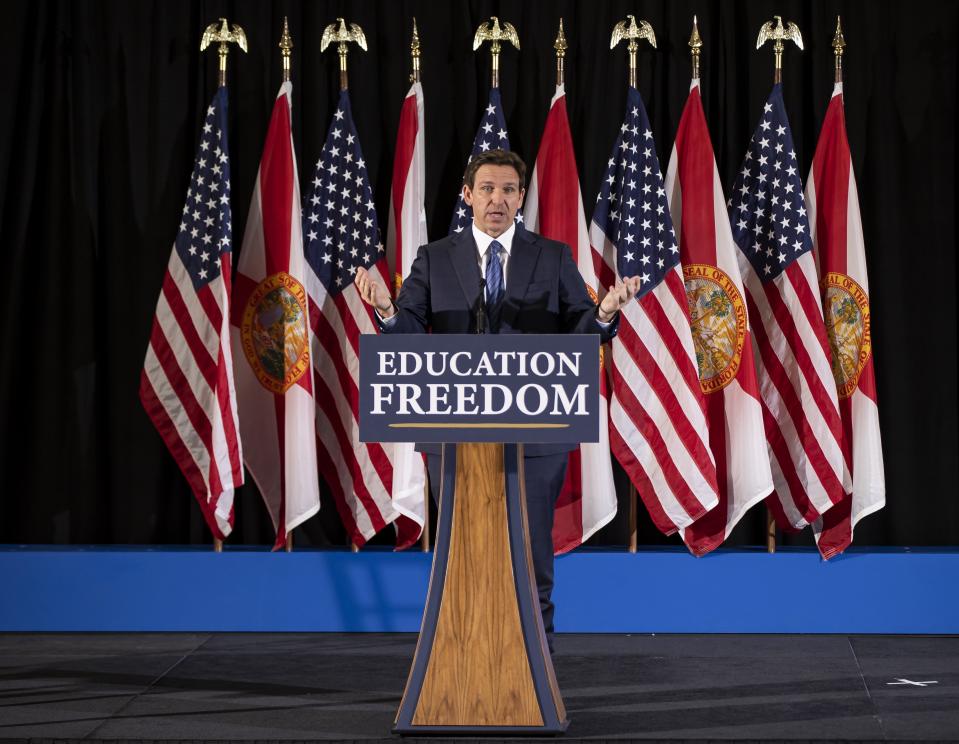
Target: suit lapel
{"points": [[462, 254], [522, 261]]}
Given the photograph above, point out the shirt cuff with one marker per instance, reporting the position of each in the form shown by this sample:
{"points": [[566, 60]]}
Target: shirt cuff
{"points": [[386, 322]]}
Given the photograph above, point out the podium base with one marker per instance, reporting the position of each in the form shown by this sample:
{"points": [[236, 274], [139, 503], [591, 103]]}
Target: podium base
{"points": [[482, 665]]}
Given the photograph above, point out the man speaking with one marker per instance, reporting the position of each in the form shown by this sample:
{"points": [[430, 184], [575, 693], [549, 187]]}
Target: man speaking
{"points": [[500, 278]]}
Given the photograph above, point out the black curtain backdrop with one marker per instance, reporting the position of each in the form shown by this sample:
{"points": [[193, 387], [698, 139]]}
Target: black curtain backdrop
{"points": [[102, 106]]}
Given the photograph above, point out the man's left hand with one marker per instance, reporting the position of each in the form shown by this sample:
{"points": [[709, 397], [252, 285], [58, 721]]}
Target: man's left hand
{"points": [[617, 297]]}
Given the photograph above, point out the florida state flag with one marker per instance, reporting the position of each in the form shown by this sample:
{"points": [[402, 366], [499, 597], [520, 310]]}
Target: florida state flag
{"points": [[271, 328], [836, 227], [721, 333]]}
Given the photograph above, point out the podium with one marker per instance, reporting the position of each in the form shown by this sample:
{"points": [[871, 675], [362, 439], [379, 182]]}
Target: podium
{"points": [[482, 665], [481, 662]]}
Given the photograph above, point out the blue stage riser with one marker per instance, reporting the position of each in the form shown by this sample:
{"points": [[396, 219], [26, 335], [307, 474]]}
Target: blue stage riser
{"points": [[378, 591]]}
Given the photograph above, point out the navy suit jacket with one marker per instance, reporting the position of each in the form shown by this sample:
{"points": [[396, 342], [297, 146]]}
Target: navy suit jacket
{"points": [[545, 293]]}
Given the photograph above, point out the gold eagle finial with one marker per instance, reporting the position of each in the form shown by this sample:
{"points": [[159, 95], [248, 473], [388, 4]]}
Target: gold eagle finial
{"points": [[779, 33], [496, 34], [632, 31], [221, 33], [341, 34]]}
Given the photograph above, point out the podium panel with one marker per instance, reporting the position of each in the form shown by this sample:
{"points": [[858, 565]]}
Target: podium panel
{"points": [[482, 664]]}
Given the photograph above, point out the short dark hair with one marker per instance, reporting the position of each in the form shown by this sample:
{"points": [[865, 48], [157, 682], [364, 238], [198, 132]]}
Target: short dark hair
{"points": [[495, 157]]}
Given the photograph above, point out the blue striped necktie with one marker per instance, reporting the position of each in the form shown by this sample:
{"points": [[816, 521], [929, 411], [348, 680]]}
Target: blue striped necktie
{"points": [[494, 285]]}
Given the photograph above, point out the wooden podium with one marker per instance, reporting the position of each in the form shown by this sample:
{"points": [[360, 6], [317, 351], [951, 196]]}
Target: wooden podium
{"points": [[482, 665]]}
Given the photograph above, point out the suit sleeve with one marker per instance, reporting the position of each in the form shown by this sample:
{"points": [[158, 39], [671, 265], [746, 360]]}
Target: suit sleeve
{"points": [[577, 307], [413, 304]]}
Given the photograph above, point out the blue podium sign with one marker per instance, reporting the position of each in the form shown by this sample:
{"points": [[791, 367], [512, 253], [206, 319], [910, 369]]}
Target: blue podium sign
{"points": [[525, 388]]}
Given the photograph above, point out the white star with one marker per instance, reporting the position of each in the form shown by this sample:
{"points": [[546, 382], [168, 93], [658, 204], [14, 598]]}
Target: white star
{"points": [[764, 142], [767, 108], [765, 125], [629, 256], [339, 114]]}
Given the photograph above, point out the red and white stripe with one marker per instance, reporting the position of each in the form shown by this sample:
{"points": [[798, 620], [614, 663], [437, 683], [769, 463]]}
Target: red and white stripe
{"points": [[406, 232], [360, 474], [797, 390], [187, 388], [658, 427], [278, 429], [733, 412], [836, 227], [554, 208]]}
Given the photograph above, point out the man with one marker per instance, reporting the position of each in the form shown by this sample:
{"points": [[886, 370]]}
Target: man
{"points": [[530, 285]]}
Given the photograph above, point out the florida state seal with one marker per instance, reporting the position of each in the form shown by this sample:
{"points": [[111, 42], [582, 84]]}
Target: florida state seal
{"points": [[274, 332], [846, 311], [717, 316]]}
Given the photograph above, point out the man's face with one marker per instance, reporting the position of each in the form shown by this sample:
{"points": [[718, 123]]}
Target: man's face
{"points": [[495, 197]]}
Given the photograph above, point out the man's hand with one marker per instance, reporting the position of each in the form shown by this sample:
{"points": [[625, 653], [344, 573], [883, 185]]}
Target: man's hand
{"points": [[373, 293], [617, 297]]}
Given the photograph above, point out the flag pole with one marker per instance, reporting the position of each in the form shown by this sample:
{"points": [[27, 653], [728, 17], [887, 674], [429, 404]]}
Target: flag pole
{"points": [[779, 34], [342, 36], [632, 32], [838, 46], [695, 44], [494, 34], [224, 36], [415, 78], [560, 46], [286, 47]]}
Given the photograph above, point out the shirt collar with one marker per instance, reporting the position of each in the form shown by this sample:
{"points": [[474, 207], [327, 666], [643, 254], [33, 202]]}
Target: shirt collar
{"points": [[483, 240]]}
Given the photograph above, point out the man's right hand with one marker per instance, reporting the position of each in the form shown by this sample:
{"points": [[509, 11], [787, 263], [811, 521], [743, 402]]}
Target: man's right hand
{"points": [[373, 293]]}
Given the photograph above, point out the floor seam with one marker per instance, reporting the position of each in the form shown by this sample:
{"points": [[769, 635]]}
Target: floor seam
{"points": [[862, 678], [150, 686]]}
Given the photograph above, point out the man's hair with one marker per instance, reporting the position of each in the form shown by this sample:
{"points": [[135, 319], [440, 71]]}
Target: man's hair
{"points": [[495, 157]]}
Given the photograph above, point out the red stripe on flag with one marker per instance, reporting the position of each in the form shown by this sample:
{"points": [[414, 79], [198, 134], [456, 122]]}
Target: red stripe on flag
{"points": [[326, 400], [780, 379], [178, 382], [405, 143], [276, 193], [647, 365], [832, 188], [698, 227], [201, 356], [651, 433], [184, 459], [644, 487]]}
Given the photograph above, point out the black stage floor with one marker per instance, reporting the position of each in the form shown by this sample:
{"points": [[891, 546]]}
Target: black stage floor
{"points": [[283, 687]]}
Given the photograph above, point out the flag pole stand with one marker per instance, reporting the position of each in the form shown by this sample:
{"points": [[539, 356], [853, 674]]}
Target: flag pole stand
{"points": [[289, 542], [770, 532], [633, 518], [217, 545]]}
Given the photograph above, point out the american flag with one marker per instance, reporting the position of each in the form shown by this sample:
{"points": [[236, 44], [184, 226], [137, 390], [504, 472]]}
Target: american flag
{"points": [[841, 252], [406, 233], [800, 409], [340, 234], [490, 135], [187, 382], [658, 433], [554, 207]]}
